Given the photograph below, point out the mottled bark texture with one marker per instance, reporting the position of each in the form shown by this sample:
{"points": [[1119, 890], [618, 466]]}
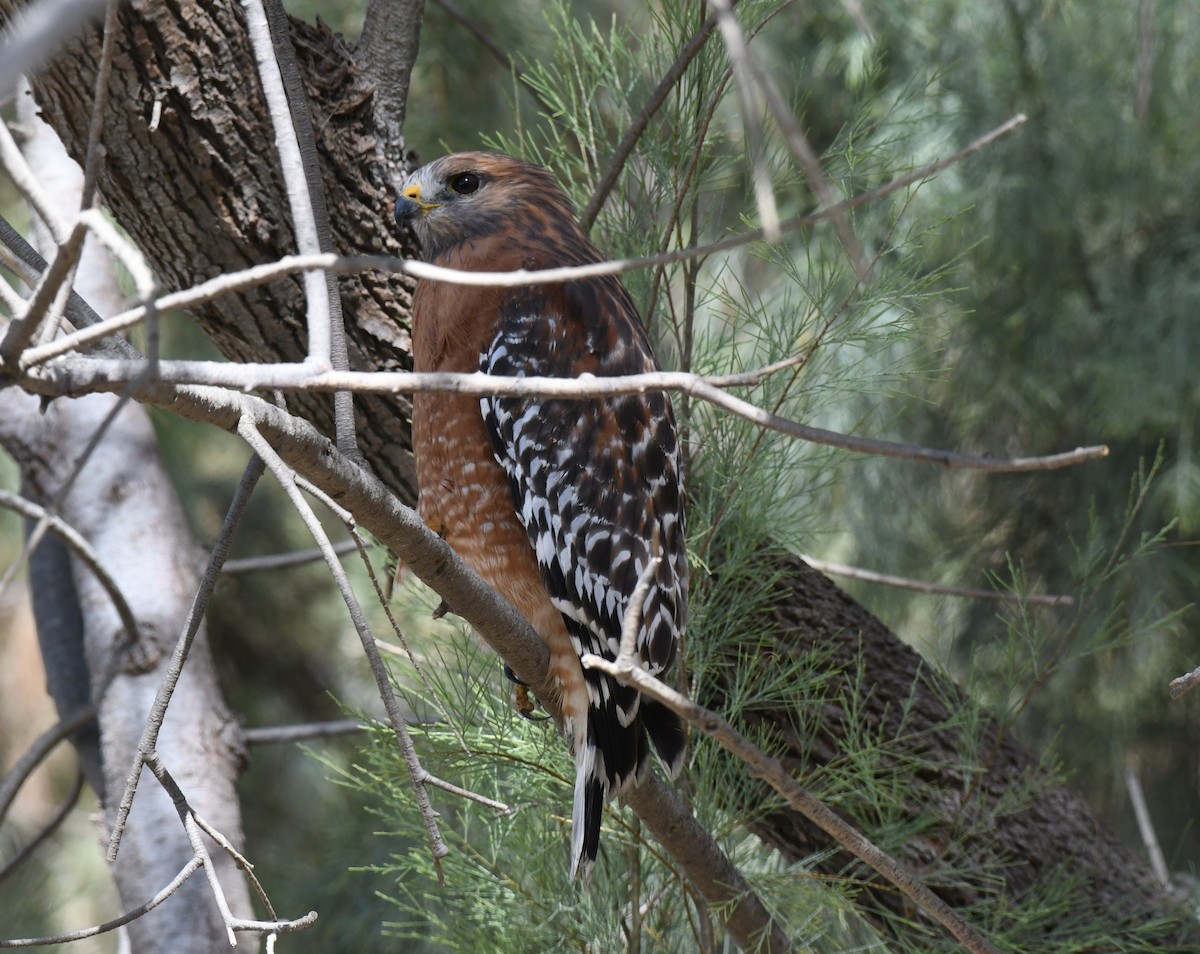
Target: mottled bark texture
{"points": [[982, 821], [201, 195]]}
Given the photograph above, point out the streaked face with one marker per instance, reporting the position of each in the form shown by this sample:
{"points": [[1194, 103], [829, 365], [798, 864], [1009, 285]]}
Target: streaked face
{"points": [[468, 194]]}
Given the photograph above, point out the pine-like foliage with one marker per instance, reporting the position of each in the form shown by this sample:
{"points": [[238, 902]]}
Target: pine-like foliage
{"points": [[857, 351]]}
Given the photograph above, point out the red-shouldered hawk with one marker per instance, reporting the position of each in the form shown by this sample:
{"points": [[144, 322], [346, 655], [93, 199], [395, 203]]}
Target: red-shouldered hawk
{"points": [[554, 502]]}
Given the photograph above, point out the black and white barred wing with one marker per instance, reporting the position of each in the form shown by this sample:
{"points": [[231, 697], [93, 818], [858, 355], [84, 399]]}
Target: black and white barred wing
{"points": [[596, 483]]}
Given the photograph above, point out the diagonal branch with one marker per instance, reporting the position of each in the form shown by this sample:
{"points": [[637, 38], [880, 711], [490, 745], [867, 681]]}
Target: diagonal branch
{"points": [[83, 550], [262, 274], [288, 480], [771, 770], [749, 69], [653, 103], [191, 626]]}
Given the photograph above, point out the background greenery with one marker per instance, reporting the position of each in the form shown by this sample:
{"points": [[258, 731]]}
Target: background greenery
{"points": [[1038, 297]]}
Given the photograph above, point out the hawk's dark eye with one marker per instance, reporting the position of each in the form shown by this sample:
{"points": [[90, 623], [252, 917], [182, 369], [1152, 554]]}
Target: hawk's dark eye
{"points": [[465, 183]]}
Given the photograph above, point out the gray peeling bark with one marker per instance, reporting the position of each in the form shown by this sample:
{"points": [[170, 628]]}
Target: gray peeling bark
{"points": [[201, 196]]}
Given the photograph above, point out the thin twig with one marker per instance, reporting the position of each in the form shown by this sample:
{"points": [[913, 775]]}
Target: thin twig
{"points": [[37, 752], [185, 872], [208, 583], [321, 239], [481, 35], [633, 610], [49, 298], [653, 103], [263, 274], [746, 83], [83, 550], [288, 480], [1182, 684], [626, 670], [747, 62], [282, 734], [81, 375], [49, 828], [279, 561], [382, 599], [199, 850], [1137, 799], [316, 290], [453, 789], [925, 586]]}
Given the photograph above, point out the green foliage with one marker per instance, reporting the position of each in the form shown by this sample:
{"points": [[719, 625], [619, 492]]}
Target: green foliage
{"points": [[1069, 304], [848, 350]]}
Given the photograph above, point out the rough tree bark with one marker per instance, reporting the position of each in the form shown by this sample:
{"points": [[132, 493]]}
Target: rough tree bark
{"points": [[968, 780], [201, 196]]}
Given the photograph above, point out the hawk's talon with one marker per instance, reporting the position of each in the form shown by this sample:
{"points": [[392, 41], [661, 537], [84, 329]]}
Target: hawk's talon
{"points": [[513, 677], [441, 610]]}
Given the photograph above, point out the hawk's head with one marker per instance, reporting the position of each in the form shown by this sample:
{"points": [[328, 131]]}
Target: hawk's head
{"points": [[471, 194]]}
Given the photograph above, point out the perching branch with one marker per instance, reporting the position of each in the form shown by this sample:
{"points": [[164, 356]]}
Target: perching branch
{"points": [[627, 670]]}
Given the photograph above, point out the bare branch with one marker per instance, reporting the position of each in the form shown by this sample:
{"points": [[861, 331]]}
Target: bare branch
{"points": [[278, 561], [749, 69], [73, 376], [186, 872], [287, 479], [925, 586], [316, 290], [772, 771], [51, 294], [82, 549], [327, 331], [399, 633], [179, 800], [1137, 799], [276, 734], [262, 274], [625, 147], [747, 84], [1182, 684], [191, 626], [37, 752], [49, 828]]}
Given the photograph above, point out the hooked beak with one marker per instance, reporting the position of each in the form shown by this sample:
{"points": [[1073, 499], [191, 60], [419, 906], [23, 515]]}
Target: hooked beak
{"points": [[409, 205]]}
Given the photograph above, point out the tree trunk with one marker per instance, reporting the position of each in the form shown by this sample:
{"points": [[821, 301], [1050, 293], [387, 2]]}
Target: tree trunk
{"points": [[124, 505], [982, 803], [201, 196]]}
